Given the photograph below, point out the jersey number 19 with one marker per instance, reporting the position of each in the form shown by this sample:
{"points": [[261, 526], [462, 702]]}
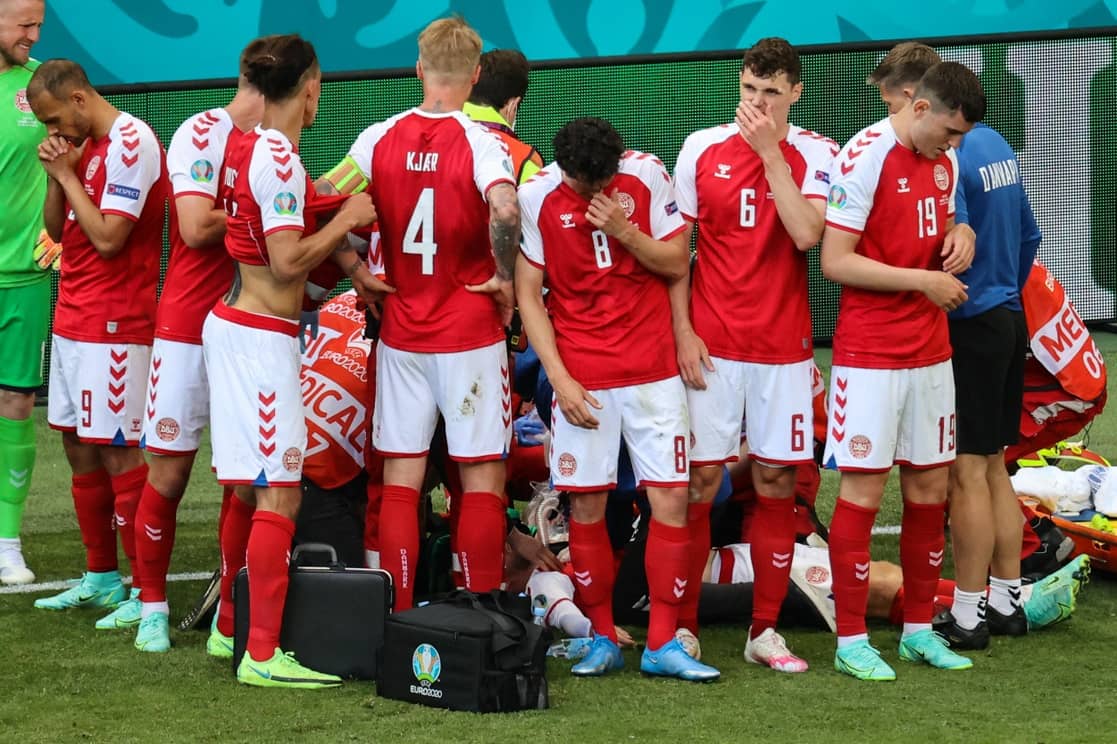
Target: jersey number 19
{"points": [[928, 217]]}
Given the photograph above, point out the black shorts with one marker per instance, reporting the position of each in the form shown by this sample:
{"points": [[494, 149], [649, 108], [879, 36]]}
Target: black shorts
{"points": [[989, 352]]}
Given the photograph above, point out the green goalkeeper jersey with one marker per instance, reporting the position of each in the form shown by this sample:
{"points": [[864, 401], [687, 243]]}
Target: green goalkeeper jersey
{"points": [[23, 183]]}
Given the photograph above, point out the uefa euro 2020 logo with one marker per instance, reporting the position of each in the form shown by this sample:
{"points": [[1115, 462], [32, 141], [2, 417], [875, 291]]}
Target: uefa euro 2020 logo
{"points": [[285, 203], [425, 663], [201, 171]]}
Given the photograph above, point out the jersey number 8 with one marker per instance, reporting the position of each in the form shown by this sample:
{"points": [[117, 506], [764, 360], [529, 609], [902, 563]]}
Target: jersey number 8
{"points": [[601, 249]]}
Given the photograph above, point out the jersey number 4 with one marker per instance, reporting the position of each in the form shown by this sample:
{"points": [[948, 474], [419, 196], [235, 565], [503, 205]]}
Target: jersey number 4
{"points": [[422, 224]]}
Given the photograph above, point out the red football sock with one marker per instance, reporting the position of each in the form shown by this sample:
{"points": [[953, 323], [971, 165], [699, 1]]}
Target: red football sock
{"points": [[227, 493], [234, 546], [155, 539], [591, 556], [399, 541], [375, 492], [269, 548], [944, 595], [93, 504], [850, 532], [454, 512], [127, 488], [773, 545], [698, 552], [944, 600], [896, 611], [921, 553], [481, 530], [667, 563]]}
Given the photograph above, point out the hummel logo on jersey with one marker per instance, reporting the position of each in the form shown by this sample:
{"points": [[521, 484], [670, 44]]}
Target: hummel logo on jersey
{"points": [[567, 220], [902, 186], [723, 170]]}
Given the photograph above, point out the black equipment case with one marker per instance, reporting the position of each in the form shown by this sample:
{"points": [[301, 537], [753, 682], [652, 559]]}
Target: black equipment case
{"points": [[333, 619], [473, 652]]}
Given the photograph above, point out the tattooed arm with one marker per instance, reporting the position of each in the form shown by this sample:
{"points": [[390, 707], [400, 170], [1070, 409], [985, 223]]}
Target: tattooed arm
{"points": [[504, 228], [504, 233]]}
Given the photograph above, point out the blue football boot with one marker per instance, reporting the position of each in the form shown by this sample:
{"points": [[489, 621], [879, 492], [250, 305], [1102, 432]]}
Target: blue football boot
{"points": [[604, 656], [672, 660]]}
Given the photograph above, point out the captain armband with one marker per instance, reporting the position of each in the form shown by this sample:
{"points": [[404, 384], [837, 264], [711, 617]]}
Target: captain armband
{"points": [[346, 176]]}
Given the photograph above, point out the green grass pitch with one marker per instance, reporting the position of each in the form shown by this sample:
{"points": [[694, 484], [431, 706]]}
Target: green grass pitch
{"points": [[63, 681]]}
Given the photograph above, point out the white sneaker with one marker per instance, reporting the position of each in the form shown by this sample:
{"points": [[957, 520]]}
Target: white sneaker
{"points": [[690, 643], [770, 649], [13, 569]]}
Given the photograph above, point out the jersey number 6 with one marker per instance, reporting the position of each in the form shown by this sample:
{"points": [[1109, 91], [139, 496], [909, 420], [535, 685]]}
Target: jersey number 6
{"points": [[748, 207]]}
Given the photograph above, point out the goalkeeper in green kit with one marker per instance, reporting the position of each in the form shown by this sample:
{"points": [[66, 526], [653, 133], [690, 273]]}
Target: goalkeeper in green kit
{"points": [[24, 284]]}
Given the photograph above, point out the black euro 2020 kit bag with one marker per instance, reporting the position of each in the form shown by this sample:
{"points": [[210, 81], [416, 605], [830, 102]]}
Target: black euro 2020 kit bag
{"points": [[333, 617], [473, 652]]}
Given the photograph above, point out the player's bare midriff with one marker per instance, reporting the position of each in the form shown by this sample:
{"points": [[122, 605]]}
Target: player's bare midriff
{"points": [[260, 292]]}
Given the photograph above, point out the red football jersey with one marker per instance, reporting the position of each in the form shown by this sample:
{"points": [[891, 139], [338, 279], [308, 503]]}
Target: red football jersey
{"points": [[112, 300], [336, 394], [269, 189], [749, 294], [430, 175], [611, 316], [900, 204], [196, 277]]}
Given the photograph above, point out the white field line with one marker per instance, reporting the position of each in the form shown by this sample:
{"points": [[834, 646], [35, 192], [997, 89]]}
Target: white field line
{"points": [[53, 586], [887, 529]]}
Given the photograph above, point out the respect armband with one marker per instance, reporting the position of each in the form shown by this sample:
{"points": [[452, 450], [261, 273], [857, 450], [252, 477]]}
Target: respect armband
{"points": [[346, 176]]}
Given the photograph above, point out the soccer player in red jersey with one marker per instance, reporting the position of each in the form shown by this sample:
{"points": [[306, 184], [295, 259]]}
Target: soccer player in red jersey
{"points": [[446, 202], [890, 207], [603, 232], [177, 405], [756, 190], [249, 338], [105, 200]]}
